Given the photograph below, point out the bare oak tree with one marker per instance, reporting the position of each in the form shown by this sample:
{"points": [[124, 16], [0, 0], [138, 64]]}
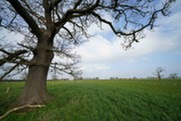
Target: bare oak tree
{"points": [[173, 75], [53, 27], [159, 73]]}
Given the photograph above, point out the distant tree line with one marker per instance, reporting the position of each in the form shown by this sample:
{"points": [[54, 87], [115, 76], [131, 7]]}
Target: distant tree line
{"points": [[158, 74]]}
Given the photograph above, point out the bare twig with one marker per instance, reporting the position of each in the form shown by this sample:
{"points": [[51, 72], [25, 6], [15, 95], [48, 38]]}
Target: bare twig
{"points": [[19, 108], [7, 90]]}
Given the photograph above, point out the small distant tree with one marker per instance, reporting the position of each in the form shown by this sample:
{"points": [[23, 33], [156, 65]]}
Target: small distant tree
{"points": [[54, 75], [78, 78], [134, 77], [159, 73], [173, 76], [96, 78]]}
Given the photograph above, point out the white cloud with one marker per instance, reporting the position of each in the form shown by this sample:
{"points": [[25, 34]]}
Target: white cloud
{"points": [[94, 67], [99, 49]]}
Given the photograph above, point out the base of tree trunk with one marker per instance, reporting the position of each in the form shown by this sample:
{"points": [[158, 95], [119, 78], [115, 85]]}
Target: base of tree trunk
{"points": [[39, 99]]}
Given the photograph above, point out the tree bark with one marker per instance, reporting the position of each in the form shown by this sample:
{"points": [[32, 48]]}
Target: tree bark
{"points": [[35, 91]]}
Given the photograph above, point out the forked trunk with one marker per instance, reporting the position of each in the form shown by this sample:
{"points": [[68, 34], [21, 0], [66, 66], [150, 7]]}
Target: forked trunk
{"points": [[35, 91]]}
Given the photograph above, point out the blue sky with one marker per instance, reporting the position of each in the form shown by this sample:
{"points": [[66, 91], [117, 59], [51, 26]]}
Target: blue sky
{"points": [[104, 57]]}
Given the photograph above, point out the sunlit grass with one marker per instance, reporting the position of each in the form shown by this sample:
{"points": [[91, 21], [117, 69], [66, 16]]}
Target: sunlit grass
{"points": [[116, 100]]}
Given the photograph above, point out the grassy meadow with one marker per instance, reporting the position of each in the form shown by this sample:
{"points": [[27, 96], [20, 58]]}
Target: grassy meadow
{"points": [[101, 100]]}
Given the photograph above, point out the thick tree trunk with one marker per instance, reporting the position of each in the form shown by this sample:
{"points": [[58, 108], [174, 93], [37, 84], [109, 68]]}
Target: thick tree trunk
{"points": [[35, 91], [159, 77]]}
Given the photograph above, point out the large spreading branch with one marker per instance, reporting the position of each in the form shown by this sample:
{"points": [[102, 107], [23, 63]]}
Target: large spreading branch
{"points": [[32, 12], [81, 12], [11, 57], [25, 15], [9, 71], [132, 33]]}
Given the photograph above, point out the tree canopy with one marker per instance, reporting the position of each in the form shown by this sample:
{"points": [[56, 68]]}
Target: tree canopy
{"points": [[68, 22]]}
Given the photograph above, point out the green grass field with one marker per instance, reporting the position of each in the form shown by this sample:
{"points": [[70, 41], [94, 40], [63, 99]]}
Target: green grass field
{"points": [[116, 100]]}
